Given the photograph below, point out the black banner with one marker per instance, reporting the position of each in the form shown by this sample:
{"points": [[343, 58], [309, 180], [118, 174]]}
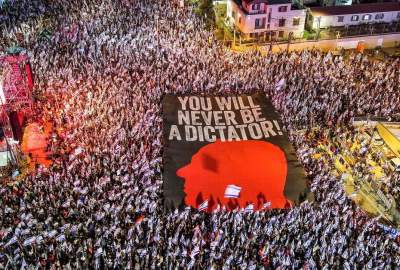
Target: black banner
{"points": [[230, 151]]}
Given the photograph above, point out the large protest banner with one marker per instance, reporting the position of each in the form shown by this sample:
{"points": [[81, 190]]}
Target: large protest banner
{"points": [[228, 150]]}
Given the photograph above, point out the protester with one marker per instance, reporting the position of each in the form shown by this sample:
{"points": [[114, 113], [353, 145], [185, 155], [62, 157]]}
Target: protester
{"points": [[100, 78]]}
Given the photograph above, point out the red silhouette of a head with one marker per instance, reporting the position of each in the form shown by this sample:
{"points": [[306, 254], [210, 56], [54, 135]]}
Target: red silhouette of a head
{"points": [[258, 167]]}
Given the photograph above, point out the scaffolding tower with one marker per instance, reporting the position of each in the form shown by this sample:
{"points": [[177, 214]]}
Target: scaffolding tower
{"points": [[15, 96], [15, 89]]}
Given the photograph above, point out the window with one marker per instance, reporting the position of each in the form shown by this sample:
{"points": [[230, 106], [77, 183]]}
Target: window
{"points": [[398, 15], [259, 23], [282, 9], [379, 16], [340, 18], [281, 34], [240, 20], [367, 17], [233, 14], [296, 21], [282, 22], [256, 7], [267, 26], [354, 18]]}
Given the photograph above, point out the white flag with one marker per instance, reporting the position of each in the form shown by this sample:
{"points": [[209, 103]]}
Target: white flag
{"points": [[232, 191]]}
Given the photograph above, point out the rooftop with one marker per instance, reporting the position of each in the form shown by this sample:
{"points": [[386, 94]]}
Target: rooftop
{"points": [[355, 9]]}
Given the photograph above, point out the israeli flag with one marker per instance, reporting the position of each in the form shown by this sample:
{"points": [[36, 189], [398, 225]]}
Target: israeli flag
{"points": [[39, 239], [232, 191], [280, 84], [249, 208], [12, 241], [191, 264], [266, 205], [52, 234], [78, 150], [195, 251], [60, 238], [203, 206], [98, 252], [29, 241]]}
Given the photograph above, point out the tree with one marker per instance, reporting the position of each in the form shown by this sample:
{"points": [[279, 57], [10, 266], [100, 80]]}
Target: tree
{"points": [[205, 9]]}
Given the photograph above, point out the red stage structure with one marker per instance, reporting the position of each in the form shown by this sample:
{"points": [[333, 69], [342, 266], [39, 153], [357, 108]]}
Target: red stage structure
{"points": [[16, 83]]}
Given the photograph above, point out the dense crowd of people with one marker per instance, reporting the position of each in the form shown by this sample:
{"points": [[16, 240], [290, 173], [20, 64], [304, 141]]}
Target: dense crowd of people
{"points": [[100, 78]]}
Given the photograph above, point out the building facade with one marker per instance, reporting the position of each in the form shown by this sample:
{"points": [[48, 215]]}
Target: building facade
{"points": [[341, 16], [269, 19]]}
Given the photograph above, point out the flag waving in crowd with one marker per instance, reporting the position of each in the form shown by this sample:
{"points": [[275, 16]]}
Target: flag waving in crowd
{"points": [[203, 206], [232, 191]]}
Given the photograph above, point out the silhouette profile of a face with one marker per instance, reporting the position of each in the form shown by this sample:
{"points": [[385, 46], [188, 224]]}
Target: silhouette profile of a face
{"points": [[258, 167]]}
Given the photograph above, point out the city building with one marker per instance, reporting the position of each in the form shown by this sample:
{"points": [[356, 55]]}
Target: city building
{"points": [[338, 16], [268, 19]]}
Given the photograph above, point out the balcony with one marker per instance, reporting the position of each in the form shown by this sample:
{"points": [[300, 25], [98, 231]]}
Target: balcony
{"points": [[255, 12], [261, 26]]}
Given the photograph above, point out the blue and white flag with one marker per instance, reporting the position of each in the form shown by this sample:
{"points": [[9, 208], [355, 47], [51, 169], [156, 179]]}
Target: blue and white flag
{"points": [[60, 238], [29, 241], [39, 239], [203, 206], [78, 150], [195, 251], [232, 191], [217, 209], [98, 252], [249, 208], [52, 234], [213, 245], [280, 84], [12, 241], [266, 205], [191, 264], [392, 232], [24, 265]]}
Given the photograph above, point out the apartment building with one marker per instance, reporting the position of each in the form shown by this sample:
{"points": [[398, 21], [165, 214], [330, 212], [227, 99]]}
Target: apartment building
{"points": [[271, 19], [337, 16]]}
